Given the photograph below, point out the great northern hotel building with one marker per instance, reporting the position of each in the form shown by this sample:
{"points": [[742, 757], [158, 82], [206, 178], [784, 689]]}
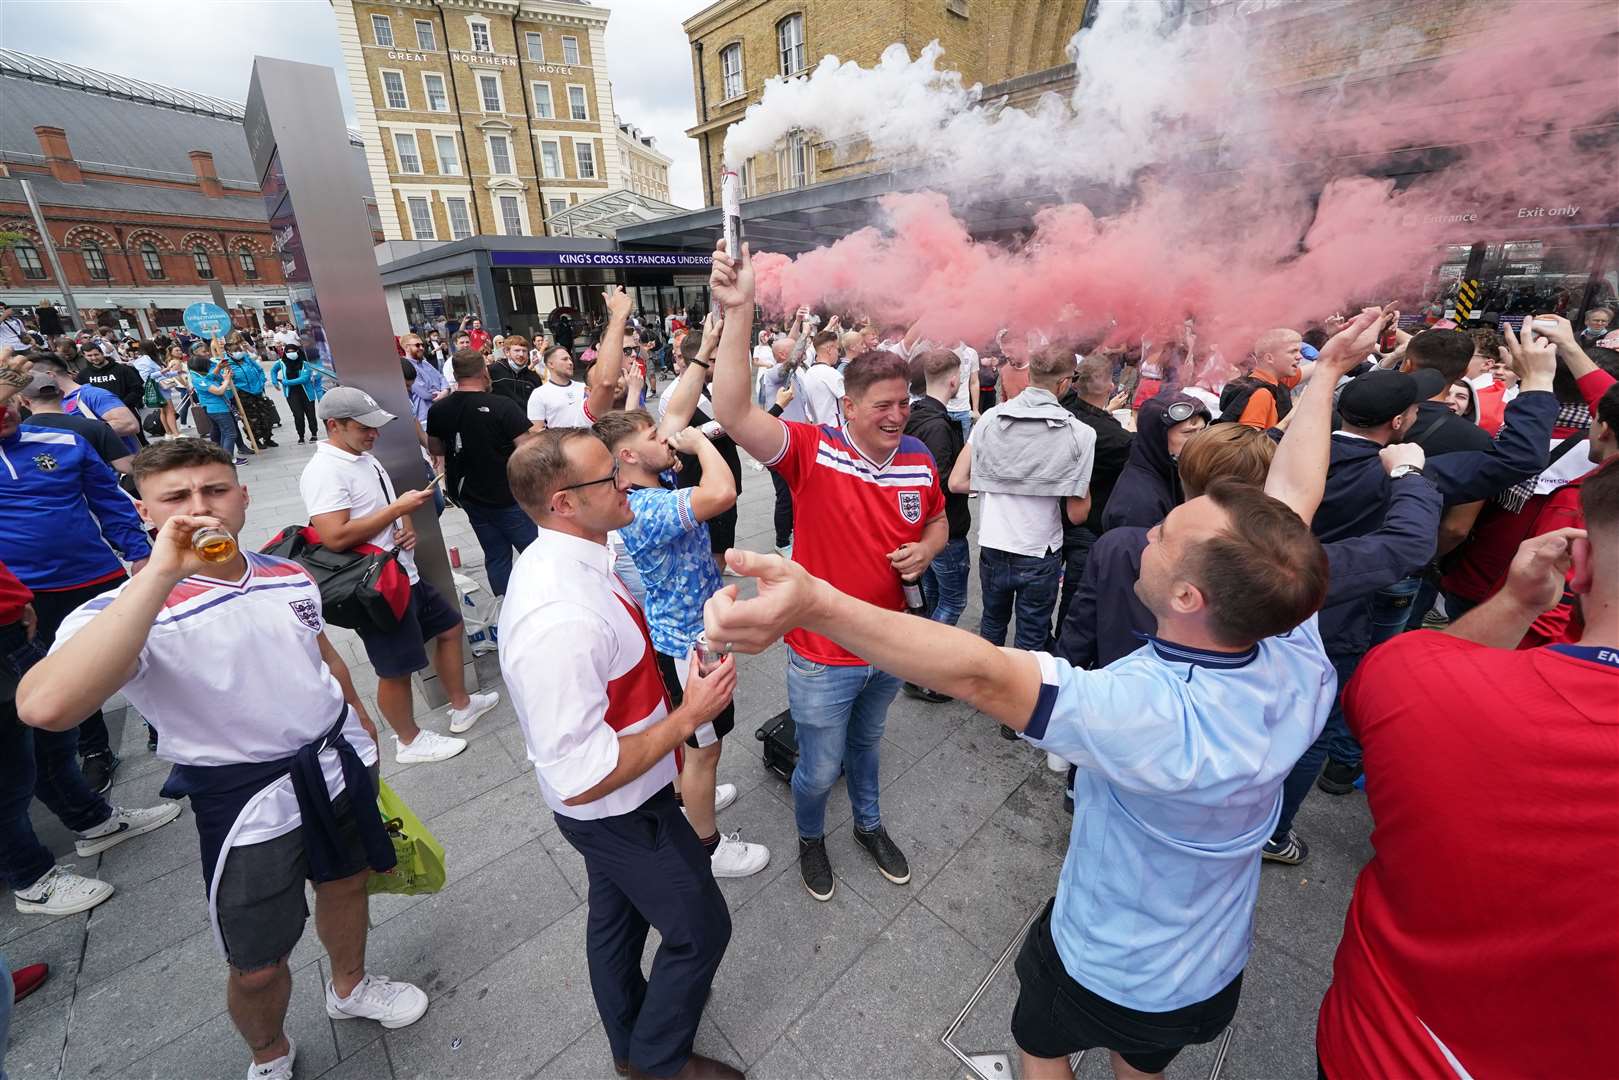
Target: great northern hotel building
{"points": [[487, 117]]}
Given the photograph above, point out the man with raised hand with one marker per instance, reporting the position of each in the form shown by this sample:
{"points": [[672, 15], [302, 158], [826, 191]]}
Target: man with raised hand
{"points": [[868, 513], [1182, 747]]}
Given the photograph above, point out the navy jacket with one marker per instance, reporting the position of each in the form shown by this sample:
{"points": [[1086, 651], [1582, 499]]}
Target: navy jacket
{"points": [[1149, 486], [1107, 621], [1358, 487]]}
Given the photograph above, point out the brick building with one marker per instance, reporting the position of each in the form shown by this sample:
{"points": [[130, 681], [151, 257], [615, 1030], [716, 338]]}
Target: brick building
{"points": [[147, 191], [484, 117], [739, 45]]}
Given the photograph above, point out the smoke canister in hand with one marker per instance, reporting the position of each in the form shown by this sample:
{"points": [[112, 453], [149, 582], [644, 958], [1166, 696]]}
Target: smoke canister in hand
{"points": [[914, 604], [731, 210]]}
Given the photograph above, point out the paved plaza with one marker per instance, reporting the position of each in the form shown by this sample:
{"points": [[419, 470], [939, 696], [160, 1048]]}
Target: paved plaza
{"points": [[859, 987]]}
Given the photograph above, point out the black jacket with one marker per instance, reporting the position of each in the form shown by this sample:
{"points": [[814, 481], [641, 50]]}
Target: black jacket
{"points": [[942, 436], [1112, 451], [509, 383], [1149, 486], [120, 378]]}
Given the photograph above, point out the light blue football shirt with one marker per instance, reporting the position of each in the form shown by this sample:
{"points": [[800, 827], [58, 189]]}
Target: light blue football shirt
{"points": [[1181, 754]]}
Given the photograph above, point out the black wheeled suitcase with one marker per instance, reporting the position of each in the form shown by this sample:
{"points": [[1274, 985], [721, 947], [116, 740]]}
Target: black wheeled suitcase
{"points": [[780, 741]]}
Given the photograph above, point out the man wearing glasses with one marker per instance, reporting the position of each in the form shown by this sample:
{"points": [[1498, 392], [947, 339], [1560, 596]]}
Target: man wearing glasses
{"points": [[578, 659]]}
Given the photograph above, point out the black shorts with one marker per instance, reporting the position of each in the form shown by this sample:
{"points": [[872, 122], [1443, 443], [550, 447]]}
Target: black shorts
{"points": [[402, 650], [1055, 1016], [674, 671], [260, 901], [722, 532]]}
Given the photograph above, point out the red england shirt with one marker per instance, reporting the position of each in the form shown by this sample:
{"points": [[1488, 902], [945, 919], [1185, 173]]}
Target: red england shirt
{"points": [[849, 512], [1483, 936]]}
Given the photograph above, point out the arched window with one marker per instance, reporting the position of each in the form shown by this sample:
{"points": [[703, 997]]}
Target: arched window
{"points": [[151, 261], [205, 265], [94, 262], [250, 265], [790, 43], [28, 259]]}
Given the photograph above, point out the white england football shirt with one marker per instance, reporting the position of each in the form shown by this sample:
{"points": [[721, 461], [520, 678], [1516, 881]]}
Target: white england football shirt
{"points": [[550, 401]]}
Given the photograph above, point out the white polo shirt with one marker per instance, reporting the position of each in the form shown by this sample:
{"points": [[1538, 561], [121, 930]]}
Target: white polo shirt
{"points": [[231, 672], [550, 401], [336, 480], [577, 658], [823, 394]]}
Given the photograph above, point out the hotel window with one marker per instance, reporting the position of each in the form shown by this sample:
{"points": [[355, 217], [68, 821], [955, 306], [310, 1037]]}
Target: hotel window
{"points": [[437, 100], [511, 216], [393, 89], [558, 206], [500, 155], [489, 91], [731, 71], [460, 223], [799, 153], [790, 42], [250, 265], [382, 30], [28, 259], [480, 37], [536, 47], [410, 161], [570, 50], [449, 162], [426, 40], [152, 262], [585, 154], [578, 108], [204, 264], [550, 159], [95, 263], [421, 218], [542, 101]]}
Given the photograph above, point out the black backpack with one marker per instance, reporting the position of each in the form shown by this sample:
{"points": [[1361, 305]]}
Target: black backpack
{"points": [[1234, 398]]}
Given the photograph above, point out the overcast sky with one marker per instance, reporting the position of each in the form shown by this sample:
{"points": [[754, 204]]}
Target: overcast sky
{"points": [[208, 46]]}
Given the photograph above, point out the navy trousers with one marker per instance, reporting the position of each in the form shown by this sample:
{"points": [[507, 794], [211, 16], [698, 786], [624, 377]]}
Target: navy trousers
{"points": [[647, 868]]}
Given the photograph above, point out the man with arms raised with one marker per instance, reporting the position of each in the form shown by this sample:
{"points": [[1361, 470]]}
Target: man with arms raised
{"points": [[255, 707], [1182, 747], [867, 512], [576, 654]]}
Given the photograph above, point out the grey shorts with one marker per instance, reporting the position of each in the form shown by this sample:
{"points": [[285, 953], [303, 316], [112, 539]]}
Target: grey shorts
{"points": [[260, 901]]}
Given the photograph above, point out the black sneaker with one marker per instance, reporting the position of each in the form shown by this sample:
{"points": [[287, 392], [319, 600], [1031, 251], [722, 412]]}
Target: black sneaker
{"points": [[816, 868], [151, 739], [1008, 734], [890, 859], [1338, 778], [1291, 850], [98, 770], [922, 693]]}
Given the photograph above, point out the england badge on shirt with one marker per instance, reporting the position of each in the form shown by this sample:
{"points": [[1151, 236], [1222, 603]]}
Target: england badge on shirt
{"points": [[307, 613], [910, 506]]}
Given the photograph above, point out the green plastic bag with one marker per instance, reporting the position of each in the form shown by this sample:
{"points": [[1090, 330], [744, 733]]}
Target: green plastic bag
{"points": [[421, 857]]}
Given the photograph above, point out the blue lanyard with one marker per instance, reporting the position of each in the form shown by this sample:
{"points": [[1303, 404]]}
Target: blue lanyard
{"points": [[1595, 654]]}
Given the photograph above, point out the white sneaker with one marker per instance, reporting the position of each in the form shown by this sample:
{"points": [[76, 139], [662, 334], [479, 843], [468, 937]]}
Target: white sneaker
{"points": [[62, 892], [377, 997], [429, 746], [785, 551], [735, 858], [124, 824], [462, 719], [279, 1069], [1055, 763]]}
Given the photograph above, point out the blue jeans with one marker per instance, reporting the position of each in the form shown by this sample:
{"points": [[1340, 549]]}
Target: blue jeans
{"points": [[965, 419], [839, 712], [46, 764], [1025, 583], [1392, 610], [500, 530], [944, 582], [1332, 740], [223, 431]]}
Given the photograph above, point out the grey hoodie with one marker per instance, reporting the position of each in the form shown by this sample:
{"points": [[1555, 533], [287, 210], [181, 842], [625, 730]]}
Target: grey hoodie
{"points": [[1031, 445]]}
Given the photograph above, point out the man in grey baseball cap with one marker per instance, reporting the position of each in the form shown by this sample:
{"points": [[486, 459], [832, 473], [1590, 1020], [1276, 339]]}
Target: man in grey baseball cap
{"points": [[352, 403], [351, 501]]}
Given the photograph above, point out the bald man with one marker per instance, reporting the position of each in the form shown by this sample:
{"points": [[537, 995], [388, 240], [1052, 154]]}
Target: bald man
{"points": [[1261, 398]]}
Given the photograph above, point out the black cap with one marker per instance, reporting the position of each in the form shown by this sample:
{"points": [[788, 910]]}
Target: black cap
{"points": [[1378, 397]]}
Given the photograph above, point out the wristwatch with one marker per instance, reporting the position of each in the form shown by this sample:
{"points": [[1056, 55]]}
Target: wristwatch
{"points": [[1405, 470]]}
